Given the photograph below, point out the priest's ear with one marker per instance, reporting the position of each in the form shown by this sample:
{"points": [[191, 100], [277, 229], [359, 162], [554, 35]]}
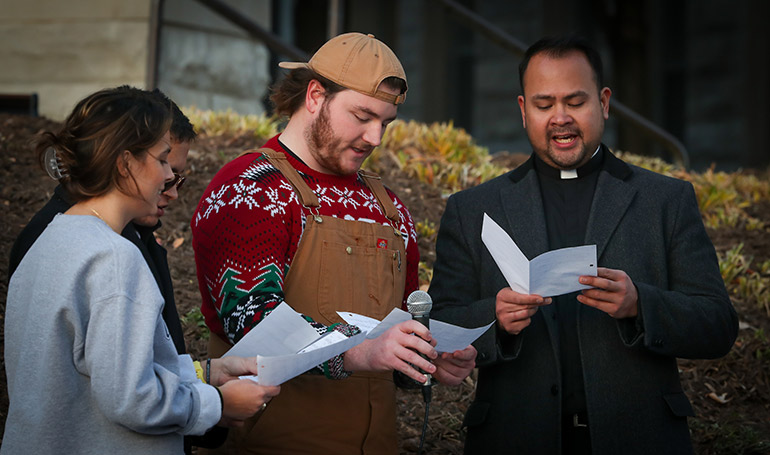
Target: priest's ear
{"points": [[604, 99], [523, 112]]}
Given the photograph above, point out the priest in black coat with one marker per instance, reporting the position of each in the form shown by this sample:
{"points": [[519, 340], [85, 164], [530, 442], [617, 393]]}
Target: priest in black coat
{"points": [[594, 371]]}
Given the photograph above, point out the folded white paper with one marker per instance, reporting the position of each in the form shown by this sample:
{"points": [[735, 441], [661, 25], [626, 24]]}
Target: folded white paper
{"points": [[449, 338], [549, 274], [286, 345]]}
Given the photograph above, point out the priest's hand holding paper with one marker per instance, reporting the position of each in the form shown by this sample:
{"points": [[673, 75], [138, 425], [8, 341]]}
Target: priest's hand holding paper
{"points": [[514, 310], [453, 367], [612, 292]]}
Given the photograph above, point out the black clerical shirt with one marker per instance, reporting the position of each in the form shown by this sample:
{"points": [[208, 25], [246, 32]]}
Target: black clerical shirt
{"points": [[567, 204]]}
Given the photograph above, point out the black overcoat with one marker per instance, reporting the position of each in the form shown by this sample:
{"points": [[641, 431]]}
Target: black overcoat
{"points": [[643, 223]]}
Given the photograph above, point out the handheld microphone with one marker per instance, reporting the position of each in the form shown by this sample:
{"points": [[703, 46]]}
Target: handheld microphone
{"points": [[419, 305]]}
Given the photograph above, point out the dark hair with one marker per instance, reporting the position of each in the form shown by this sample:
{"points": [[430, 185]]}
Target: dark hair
{"points": [[181, 128], [559, 47], [289, 94], [100, 128], [395, 83]]}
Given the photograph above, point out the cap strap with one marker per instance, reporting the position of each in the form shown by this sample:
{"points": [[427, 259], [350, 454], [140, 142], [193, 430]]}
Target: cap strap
{"points": [[390, 98]]}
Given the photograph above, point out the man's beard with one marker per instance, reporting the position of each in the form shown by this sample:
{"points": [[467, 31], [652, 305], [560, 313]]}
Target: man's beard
{"points": [[324, 144], [572, 161], [564, 160]]}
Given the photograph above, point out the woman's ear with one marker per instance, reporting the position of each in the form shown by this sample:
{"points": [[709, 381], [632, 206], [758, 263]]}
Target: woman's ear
{"points": [[124, 163]]}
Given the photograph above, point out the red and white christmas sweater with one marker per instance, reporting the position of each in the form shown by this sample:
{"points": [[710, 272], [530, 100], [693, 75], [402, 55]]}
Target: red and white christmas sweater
{"points": [[247, 227]]}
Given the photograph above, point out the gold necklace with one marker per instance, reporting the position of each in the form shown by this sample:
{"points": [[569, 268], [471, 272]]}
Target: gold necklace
{"points": [[100, 217]]}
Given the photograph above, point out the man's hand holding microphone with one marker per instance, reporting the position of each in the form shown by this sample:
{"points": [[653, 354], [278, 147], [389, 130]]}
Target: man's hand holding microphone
{"points": [[398, 349], [451, 367]]}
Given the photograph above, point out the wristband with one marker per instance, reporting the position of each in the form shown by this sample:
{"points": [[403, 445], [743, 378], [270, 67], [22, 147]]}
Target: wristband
{"points": [[208, 370], [199, 371]]}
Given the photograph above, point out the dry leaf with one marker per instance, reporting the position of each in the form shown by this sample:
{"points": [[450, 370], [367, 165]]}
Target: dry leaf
{"points": [[721, 399], [178, 242]]}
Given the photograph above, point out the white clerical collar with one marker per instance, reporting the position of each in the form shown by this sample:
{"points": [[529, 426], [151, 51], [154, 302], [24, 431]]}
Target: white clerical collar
{"points": [[568, 174], [572, 173]]}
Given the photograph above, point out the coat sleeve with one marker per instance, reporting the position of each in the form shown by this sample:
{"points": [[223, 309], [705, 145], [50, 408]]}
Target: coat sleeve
{"points": [[693, 317]]}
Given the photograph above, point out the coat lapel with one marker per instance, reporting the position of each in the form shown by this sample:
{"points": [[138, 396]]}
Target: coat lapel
{"points": [[524, 215], [612, 199], [525, 223]]}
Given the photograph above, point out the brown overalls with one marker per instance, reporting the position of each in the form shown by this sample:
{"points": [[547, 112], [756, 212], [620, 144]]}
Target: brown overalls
{"points": [[338, 267]]}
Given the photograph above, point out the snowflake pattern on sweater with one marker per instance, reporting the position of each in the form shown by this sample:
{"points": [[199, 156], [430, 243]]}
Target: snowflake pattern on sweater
{"points": [[247, 227]]}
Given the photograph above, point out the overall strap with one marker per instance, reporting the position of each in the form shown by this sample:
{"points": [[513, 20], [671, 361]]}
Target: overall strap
{"points": [[306, 196], [374, 182], [309, 199]]}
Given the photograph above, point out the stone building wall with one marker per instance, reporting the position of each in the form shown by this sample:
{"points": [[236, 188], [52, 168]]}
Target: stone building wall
{"points": [[65, 50], [206, 62]]}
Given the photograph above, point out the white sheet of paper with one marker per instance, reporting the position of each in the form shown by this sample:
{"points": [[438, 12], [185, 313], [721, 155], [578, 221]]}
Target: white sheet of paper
{"points": [[395, 316], [283, 331], [449, 338], [277, 370], [454, 338], [283, 344], [507, 255], [549, 274], [328, 339]]}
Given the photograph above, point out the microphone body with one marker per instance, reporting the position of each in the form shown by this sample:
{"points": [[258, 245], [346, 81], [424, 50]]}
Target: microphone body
{"points": [[419, 305], [423, 318]]}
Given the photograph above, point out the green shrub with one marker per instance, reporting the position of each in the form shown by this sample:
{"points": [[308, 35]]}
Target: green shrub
{"points": [[438, 154], [217, 123]]}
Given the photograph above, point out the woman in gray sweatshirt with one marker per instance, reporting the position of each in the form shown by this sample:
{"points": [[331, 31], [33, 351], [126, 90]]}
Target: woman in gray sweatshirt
{"points": [[91, 366]]}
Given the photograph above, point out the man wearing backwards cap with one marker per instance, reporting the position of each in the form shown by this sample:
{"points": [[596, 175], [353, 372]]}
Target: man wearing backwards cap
{"points": [[298, 221]]}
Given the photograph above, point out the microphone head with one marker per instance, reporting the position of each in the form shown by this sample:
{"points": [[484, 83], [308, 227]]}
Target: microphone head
{"points": [[419, 303]]}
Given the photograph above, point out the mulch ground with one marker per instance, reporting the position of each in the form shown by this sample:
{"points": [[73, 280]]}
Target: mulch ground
{"points": [[731, 395]]}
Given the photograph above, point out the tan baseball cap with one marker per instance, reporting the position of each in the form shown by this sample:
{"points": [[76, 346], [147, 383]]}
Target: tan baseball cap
{"points": [[358, 62]]}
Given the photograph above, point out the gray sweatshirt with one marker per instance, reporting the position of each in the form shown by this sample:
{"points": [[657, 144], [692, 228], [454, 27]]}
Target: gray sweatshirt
{"points": [[91, 366]]}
